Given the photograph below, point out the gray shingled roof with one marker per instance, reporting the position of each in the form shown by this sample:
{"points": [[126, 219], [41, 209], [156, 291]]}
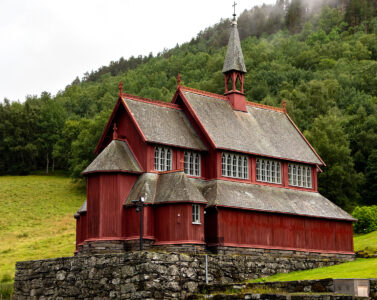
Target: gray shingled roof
{"points": [[115, 157], [81, 210], [260, 131], [234, 57], [171, 187], [176, 186], [145, 186], [164, 125], [273, 199]]}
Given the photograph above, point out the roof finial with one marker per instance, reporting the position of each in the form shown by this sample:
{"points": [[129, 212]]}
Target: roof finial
{"points": [[115, 133], [234, 10], [120, 86], [178, 80], [284, 105]]}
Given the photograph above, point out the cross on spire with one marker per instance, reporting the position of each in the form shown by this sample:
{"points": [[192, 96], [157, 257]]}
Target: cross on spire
{"points": [[234, 10]]}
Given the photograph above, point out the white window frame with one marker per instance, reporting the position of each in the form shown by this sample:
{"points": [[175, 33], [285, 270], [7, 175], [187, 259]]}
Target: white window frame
{"points": [[234, 165], [268, 170], [196, 214], [192, 163], [163, 158], [300, 175]]}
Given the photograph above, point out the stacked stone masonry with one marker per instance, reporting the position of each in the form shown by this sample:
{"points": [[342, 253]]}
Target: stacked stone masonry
{"points": [[152, 274], [323, 289]]}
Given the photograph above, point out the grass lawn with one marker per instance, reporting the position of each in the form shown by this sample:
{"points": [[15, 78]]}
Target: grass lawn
{"points": [[366, 242], [360, 268], [36, 219]]}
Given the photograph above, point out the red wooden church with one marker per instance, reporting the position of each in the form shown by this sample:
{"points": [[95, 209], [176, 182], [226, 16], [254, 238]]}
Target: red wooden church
{"points": [[214, 170]]}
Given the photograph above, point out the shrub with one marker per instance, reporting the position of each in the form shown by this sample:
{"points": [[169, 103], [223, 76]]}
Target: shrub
{"points": [[367, 219]]}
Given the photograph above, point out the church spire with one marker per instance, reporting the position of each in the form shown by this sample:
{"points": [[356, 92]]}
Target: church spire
{"points": [[234, 69]]}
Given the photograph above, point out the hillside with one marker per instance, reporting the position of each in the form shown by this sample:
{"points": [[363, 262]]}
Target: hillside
{"points": [[36, 219], [323, 63]]}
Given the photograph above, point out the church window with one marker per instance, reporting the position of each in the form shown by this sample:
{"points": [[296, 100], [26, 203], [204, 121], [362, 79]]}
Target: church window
{"points": [[268, 171], [162, 159], [300, 175], [196, 214], [192, 163], [234, 165]]}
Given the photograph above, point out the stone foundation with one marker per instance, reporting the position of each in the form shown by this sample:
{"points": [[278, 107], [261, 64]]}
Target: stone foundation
{"points": [[121, 246], [149, 274]]}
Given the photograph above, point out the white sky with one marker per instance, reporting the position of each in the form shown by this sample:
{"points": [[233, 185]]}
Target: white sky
{"points": [[45, 44]]}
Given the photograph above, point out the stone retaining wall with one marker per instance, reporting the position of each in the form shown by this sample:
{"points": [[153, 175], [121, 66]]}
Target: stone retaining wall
{"points": [[153, 275]]}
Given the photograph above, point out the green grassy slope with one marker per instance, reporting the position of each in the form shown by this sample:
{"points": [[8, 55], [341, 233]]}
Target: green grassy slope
{"points": [[36, 219], [360, 268]]}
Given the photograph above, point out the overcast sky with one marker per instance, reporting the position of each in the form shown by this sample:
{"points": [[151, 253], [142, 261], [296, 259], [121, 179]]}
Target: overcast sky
{"points": [[45, 44]]}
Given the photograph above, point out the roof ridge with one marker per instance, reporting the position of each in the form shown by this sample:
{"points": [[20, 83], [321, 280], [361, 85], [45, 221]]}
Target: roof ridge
{"points": [[151, 101], [204, 93], [264, 106], [214, 95]]}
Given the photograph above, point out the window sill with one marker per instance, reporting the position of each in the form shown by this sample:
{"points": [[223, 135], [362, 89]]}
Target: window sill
{"points": [[268, 182], [196, 223], [226, 176], [301, 187]]}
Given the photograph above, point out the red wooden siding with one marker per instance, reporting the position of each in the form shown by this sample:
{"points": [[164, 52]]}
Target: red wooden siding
{"points": [[173, 224], [344, 236], [266, 230], [128, 130], [81, 229], [131, 223], [106, 195], [93, 205]]}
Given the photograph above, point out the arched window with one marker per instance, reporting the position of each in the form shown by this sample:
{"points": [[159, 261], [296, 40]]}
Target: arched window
{"points": [[259, 176], [268, 171], [300, 175], [229, 165], [223, 164], [234, 165], [245, 168], [162, 159], [240, 169], [263, 170], [294, 172], [156, 159], [197, 164], [192, 161], [168, 160]]}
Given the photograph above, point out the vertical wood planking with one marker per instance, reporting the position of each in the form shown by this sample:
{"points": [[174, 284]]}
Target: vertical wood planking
{"points": [[246, 228], [93, 205], [173, 222]]}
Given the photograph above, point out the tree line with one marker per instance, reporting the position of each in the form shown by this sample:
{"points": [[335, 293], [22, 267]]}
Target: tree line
{"points": [[324, 66]]}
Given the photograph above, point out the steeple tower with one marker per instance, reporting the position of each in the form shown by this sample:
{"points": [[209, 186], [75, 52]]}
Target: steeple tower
{"points": [[234, 69]]}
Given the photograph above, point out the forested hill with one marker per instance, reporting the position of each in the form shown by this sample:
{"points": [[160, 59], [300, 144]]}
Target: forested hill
{"points": [[321, 59]]}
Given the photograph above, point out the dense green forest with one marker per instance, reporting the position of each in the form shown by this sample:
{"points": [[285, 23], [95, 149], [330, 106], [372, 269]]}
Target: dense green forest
{"points": [[322, 59]]}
